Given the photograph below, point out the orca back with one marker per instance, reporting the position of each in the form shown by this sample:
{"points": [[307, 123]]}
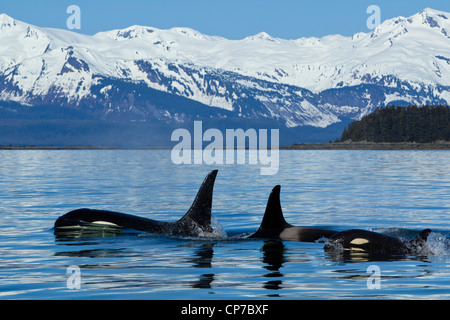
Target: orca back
{"points": [[197, 220], [98, 218], [374, 242]]}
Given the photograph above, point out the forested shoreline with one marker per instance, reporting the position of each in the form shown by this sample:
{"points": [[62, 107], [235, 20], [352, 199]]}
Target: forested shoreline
{"points": [[419, 124]]}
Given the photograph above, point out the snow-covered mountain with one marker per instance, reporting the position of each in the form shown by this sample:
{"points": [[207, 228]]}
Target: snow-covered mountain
{"points": [[143, 73]]}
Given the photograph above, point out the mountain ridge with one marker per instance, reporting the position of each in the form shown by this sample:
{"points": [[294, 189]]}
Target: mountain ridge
{"points": [[116, 75]]}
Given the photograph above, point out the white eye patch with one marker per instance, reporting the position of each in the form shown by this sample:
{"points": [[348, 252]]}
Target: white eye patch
{"points": [[106, 223], [359, 241]]}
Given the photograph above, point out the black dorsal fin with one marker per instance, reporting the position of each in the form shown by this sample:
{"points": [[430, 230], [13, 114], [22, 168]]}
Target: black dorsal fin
{"points": [[423, 235], [421, 238], [418, 244], [200, 210], [273, 216]]}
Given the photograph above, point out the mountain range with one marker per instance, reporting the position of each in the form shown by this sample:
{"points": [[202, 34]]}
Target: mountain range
{"points": [[134, 86]]}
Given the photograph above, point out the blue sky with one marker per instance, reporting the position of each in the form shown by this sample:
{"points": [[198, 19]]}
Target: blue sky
{"points": [[232, 19]]}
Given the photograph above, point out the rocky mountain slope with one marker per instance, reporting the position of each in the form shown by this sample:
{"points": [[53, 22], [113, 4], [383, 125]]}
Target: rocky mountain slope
{"points": [[146, 75]]}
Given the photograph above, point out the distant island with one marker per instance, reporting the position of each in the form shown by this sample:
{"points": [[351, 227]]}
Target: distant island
{"points": [[411, 128], [348, 145]]}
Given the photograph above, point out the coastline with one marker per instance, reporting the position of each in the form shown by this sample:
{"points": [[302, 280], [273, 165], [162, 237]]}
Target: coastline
{"points": [[3, 147], [441, 145]]}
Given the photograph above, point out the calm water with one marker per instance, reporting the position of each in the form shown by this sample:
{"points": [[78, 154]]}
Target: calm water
{"points": [[396, 192]]}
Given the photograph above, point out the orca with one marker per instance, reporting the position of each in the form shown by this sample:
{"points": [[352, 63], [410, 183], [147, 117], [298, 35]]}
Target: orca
{"points": [[357, 240], [196, 222], [274, 226]]}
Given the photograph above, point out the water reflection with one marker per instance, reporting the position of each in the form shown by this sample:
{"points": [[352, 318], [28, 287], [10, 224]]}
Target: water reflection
{"points": [[93, 253], [381, 190], [71, 233], [359, 256], [202, 259], [89, 244], [145, 262], [76, 232], [273, 259]]}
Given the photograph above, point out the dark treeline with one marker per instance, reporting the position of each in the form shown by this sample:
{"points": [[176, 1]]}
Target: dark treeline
{"points": [[421, 124]]}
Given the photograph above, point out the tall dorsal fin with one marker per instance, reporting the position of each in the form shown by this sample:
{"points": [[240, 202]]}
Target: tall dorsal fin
{"points": [[200, 210], [273, 216]]}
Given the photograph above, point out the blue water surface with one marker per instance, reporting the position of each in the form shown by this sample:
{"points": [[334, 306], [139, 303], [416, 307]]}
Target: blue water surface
{"points": [[394, 192]]}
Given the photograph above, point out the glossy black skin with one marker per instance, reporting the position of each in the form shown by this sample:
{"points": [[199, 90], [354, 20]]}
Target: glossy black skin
{"points": [[197, 221], [373, 242], [274, 226]]}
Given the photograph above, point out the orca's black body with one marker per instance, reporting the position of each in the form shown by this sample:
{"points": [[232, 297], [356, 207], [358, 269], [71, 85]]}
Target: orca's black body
{"points": [[196, 222], [274, 226], [373, 242]]}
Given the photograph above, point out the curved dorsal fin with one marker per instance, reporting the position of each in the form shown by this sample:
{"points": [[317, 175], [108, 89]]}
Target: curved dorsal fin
{"points": [[200, 210], [273, 216]]}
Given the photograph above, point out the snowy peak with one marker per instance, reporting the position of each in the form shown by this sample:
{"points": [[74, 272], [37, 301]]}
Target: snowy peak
{"points": [[426, 20], [436, 20], [18, 29], [189, 33], [433, 17], [6, 21], [148, 33], [292, 81], [132, 32], [261, 36]]}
